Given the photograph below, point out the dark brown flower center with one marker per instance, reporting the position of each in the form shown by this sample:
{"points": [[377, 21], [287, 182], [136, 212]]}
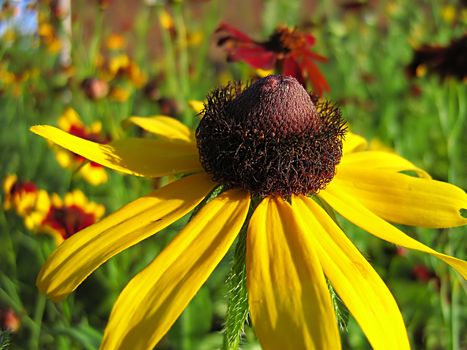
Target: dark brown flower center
{"points": [[270, 138], [284, 40]]}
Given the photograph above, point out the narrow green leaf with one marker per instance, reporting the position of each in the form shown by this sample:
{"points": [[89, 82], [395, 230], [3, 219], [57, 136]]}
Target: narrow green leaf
{"points": [[237, 311]]}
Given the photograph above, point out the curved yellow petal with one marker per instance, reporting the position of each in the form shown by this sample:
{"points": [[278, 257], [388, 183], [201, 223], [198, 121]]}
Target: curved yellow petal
{"points": [[165, 127], [357, 283], [143, 157], [404, 199], [85, 251], [380, 160], [289, 300], [353, 143], [354, 211], [153, 300]]}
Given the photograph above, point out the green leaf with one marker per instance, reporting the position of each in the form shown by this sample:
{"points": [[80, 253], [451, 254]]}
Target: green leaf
{"points": [[237, 311]]}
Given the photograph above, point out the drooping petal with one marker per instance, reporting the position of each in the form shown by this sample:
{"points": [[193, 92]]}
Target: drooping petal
{"points": [[317, 79], [404, 199], [165, 127], [153, 300], [353, 143], [380, 160], [289, 300], [236, 34], [357, 283], [143, 157], [292, 68], [85, 251], [255, 56], [354, 211]]}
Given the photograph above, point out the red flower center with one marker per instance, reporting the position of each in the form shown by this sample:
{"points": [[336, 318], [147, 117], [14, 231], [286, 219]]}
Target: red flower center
{"points": [[68, 220]]}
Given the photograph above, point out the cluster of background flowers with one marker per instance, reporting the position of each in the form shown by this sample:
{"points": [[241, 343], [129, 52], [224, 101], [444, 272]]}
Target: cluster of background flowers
{"points": [[49, 213]]}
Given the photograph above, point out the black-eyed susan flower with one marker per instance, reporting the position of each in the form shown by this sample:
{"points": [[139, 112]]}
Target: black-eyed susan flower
{"points": [[115, 42], [92, 172], [273, 145], [288, 50], [69, 215], [29, 202]]}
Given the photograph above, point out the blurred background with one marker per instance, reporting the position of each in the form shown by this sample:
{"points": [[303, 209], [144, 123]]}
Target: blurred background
{"points": [[396, 68]]}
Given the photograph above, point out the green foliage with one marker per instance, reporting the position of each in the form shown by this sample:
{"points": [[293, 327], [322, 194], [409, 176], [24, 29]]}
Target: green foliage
{"points": [[237, 311]]}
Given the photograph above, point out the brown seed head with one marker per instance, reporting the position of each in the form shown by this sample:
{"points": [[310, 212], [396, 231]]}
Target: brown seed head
{"points": [[270, 138]]}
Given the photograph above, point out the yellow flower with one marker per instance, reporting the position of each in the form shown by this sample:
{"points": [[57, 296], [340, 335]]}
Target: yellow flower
{"points": [[119, 94], [292, 243], [166, 20], [115, 42], [66, 217], [448, 13], [91, 172], [26, 199]]}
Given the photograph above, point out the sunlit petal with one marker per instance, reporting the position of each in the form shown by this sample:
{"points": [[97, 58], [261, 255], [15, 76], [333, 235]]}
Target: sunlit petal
{"points": [[165, 127], [402, 198], [85, 251], [143, 157], [289, 300], [380, 160], [154, 299], [357, 213], [353, 143], [359, 286]]}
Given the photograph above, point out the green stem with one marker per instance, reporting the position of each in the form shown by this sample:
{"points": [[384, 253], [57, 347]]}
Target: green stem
{"points": [[183, 69], [34, 342]]}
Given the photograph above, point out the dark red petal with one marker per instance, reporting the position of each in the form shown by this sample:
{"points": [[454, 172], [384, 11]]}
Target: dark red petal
{"points": [[310, 39], [317, 78], [257, 57], [292, 68], [236, 34], [317, 57]]}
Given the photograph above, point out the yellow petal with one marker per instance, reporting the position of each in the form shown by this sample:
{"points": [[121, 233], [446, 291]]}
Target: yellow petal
{"points": [[353, 143], [404, 199], [197, 106], [357, 283], [350, 208], [95, 175], [380, 160], [143, 157], [85, 251], [152, 301], [165, 127], [289, 300]]}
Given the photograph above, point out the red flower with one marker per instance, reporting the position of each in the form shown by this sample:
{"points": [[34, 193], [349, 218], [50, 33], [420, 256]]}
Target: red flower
{"points": [[70, 215], [287, 50]]}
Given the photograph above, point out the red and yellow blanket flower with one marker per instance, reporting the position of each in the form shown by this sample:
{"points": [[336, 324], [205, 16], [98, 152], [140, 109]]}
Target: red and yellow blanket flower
{"points": [[29, 202], [287, 50], [69, 215], [277, 152]]}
